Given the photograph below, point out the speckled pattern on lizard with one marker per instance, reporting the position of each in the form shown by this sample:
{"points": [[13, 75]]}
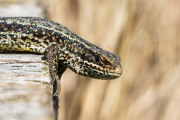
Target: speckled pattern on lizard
{"points": [[61, 48]]}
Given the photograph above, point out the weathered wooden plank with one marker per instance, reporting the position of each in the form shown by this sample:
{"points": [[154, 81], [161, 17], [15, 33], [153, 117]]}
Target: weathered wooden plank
{"points": [[24, 88], [16, 68]]}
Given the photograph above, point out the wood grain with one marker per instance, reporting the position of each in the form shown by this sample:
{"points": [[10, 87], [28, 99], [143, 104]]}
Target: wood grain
{"points": [[24, 87]]}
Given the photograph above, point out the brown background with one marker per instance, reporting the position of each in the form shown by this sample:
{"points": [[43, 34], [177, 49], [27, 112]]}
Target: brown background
{"points": [[145, 34]]}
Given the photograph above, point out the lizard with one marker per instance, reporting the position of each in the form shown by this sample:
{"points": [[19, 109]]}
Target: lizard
{"points": [[61, 48]]}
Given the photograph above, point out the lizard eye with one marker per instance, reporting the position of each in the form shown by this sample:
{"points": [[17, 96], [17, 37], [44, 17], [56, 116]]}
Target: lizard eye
{"points": [[98, 58]]}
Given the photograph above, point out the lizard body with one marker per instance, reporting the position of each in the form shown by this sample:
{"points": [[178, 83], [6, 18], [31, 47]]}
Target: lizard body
{"points": [[61, 48]]}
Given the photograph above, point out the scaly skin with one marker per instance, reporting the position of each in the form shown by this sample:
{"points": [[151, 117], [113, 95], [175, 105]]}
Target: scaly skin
{"points": [[61, 48]]}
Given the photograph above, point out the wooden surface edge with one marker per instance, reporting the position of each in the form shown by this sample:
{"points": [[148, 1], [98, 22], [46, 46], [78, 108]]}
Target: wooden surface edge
{"points": [[24, 88]]}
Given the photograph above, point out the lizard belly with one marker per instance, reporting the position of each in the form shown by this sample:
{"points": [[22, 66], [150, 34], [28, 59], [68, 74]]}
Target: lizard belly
{"points": [[12, 41]]}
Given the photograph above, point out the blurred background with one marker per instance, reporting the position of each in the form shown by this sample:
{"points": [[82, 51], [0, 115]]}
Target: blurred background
{"points": [[143, 33]]}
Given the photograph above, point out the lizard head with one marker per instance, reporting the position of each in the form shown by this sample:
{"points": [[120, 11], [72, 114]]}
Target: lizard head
{"points": [[96, 63]]}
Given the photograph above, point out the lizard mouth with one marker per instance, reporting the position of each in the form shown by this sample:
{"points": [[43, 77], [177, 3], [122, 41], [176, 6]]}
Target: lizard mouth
{"points": [[117, 71], [108, 73]]}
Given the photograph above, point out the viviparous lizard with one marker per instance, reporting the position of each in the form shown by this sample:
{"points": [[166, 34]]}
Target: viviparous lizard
{"points": [[61, 48]]}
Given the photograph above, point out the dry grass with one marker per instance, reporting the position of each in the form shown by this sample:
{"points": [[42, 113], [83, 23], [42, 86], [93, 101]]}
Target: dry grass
{"points": [[145, 34]]}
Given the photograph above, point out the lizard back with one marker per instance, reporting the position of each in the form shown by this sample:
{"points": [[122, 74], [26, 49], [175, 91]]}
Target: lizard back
{"points": [[34, 34]]}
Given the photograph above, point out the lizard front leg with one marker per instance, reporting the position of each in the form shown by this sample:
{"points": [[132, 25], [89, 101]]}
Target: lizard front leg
{"points": [[56, 68]]}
